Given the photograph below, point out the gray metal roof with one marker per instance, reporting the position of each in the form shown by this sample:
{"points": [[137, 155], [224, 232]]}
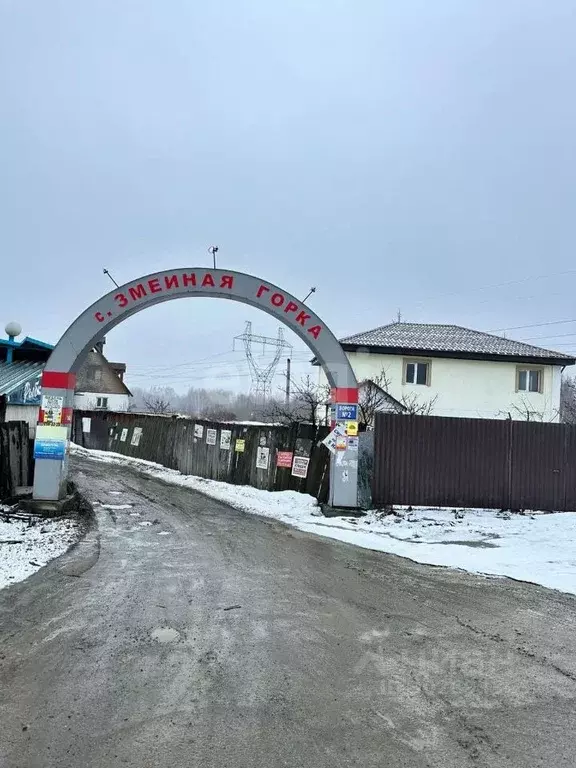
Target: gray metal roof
{"points": [[15, 375], [449, 338]]}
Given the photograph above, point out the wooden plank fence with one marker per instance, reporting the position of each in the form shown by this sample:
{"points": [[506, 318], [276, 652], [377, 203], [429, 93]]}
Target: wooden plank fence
{"points": [[209, 449], [15, 458]]}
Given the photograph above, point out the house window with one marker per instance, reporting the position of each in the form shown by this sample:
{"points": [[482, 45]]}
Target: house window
{"points": [[416, 372], [529, 380], [94, 373], [101, 402]]}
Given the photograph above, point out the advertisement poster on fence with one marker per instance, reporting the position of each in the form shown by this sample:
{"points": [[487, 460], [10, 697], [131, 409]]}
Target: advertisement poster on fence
{"points": [[136, 435], [124, 435], [300, 466], [284, 459], [198, 430], [240, 445], [263, 457], [225, 439], [211, 436]]}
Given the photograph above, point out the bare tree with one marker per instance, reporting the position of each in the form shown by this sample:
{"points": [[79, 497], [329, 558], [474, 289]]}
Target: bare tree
{"points": [[416, 406], [195, 402], [219, 413], [308, 404], [375, 396], [159, 399], [156, 404], [372, 397], [525, 411], [568, 400]]}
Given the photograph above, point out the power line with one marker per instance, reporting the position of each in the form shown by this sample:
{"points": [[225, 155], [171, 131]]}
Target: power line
{"points": [[145, 371], [531, 325], [496, 285], [197, 361], [522, 297], [566, 344], [216, 377], [183, 378], [557, 336]]}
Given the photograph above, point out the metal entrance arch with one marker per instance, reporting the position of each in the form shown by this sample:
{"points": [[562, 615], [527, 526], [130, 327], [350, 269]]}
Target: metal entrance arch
{"points": [[59, 376]]}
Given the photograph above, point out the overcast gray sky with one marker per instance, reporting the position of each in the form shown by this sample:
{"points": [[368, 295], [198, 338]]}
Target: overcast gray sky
{"points": [[403, 154]]}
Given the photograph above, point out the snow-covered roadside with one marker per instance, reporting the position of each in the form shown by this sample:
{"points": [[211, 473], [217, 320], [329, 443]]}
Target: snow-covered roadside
{"points": [[25, 548], [288, 506], [536, 548]]}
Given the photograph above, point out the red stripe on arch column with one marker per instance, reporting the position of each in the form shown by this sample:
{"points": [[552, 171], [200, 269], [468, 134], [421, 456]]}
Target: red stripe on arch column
{"points": [[57, 380], [345, 395]]}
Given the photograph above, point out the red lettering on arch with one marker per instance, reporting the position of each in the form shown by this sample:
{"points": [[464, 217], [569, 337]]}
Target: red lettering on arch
{"points": [[303, 318], [191, 278], [137, 293], [154, 286], [227, 281], [261, 291], [171, 282], [291, 307], [315, 330], [99, 316], [121, 299], [277, 299], [208, 280]]}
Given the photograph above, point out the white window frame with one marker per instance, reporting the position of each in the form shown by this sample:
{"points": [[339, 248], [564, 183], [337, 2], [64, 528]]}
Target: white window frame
{"points": [[102, 402], [416, 361], [528, 370]]}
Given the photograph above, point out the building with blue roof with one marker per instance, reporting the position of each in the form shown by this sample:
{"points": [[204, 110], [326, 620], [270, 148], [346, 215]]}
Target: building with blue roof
{"points": [[100, 383]]}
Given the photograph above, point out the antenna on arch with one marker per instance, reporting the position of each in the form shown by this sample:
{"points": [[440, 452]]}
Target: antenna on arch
{"points": [[310, 292], [110, 276], [213, 250]]}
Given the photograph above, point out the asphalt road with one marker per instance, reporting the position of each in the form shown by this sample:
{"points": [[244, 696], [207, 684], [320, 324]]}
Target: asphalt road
{"points": [[213, 638]]}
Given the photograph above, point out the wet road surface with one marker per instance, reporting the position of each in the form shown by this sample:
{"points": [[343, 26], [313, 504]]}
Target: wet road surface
{"points": [[184, 633]]}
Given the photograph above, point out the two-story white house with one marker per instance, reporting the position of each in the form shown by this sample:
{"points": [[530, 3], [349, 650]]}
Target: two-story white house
{"points": [[447, 370]]}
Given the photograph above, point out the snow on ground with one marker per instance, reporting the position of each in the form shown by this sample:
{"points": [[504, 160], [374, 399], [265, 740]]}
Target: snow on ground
{"points": [[539, 548], [24, 549], [281, 505]]}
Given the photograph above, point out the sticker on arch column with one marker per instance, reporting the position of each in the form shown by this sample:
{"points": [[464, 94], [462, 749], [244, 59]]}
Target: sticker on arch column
{"points": [[50, 442], [52, 406]]}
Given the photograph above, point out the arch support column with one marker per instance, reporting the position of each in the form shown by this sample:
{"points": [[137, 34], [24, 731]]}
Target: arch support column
{"points": [[51, 446]]}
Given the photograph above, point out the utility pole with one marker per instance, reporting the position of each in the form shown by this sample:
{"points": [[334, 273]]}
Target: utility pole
{"points": [[288, 361]]}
